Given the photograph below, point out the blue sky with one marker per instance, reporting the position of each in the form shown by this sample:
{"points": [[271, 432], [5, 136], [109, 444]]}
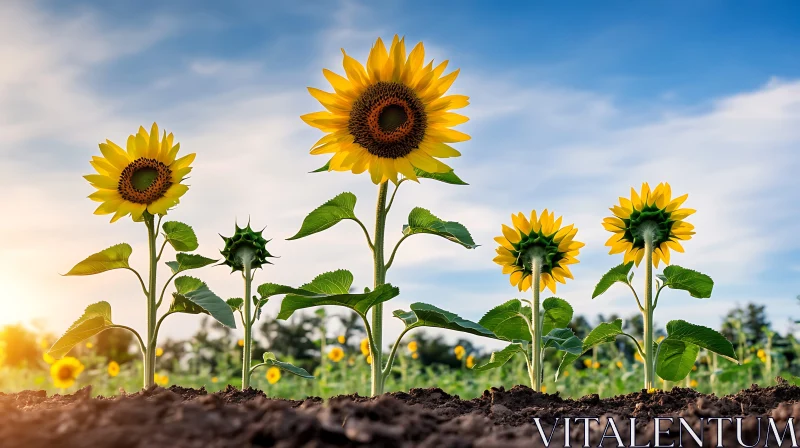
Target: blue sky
{"points": [[571, 105]]}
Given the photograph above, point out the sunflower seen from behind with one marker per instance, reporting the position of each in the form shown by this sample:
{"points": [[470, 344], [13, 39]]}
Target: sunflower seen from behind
{"points": [[146, 176], [389, 116]]}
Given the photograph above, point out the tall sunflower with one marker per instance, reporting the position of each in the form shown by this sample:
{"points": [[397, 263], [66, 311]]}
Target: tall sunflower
{"points": [[543, 237], [651, 211], [390, 116], [145, 177]]}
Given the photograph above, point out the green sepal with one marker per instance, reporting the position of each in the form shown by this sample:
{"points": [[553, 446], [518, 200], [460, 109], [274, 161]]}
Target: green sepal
{"points": [[245, 239], [114, 257]]}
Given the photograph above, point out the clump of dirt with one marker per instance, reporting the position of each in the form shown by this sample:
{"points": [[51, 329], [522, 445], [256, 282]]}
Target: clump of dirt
{"points": [[183, 418]]}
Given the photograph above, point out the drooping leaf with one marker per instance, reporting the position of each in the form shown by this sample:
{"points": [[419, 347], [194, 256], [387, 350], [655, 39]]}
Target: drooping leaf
{"points": [[327, 215], [425, 315], [701, 336], [675, 359], [184, 262], [696, 284], [180, 236], [604, 332], [499, 358], [614, 275], [506, 321], [271, 361], [96, 318], [115, 257], [557, 314], [421, 220], [332, 288], [563, 339], [235, 303], [448, 177], [194, 297]]}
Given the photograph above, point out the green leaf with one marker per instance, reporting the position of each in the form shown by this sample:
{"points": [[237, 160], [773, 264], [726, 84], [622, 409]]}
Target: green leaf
{"points": [[506, 321], [323, 168], [425, 315], [563, 339], [557, 314], [96, 318], [701, 336], [734, 372], [235, 303], [698, 285], [448, 177], [188, 261], [499, 358], [604, 332], [271, 361], [328, 215], [616, 274], [332, 288], [115, 257], [180, 236], [675, 359], [421, 220], [194, 297], [268, 290]]}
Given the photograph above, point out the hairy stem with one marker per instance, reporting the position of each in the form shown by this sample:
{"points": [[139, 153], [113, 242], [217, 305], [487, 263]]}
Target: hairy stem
{"points": [[380, 278], [536, 324], [150, 352], [247, 358], [649, 359]]}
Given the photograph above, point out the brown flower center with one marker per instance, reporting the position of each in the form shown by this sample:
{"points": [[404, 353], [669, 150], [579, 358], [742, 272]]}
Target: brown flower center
{"points": [[65, 373], [388, 120], [144, 181]]}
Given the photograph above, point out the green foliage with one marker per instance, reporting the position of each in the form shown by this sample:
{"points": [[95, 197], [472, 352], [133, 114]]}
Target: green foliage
{"points": [[271, 361], [448, 177], [425, 315], [331, 288], [604, 332], [235, 303], [507, 321], [180, 236], [614, 275], [327, 215], [421, 220], [557, 314], [675, 359], [194, 297], [96, 318], [563, 339], [696, 284], [701, 336], [115, 257], [185, 262], [500, 358]]}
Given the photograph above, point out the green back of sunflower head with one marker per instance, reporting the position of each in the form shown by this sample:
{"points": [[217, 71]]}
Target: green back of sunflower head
{"points": [[245, 243]]}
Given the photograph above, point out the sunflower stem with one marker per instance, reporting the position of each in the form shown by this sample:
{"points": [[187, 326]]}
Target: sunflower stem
{"points": [[649, 305], [536, 323], [150, 352], [247, 255], [380, 279]]}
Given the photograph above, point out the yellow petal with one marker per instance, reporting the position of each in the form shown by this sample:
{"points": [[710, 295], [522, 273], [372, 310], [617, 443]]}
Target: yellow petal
{"points": [[376, 61], [115, 155], [521, 223], [515, 278], [511, 235], [525, 284], [501, 240], [101, 181]]}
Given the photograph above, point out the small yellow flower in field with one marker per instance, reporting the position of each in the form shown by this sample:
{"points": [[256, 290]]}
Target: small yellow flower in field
{"points": [[638, 357], [240, 342], [159, 351], [336, 354], [470, 361], [89, 345], [762, 355], [619, 364], [694, 368], [566, 373], [273, 375], [369, 359], [596, 365], [214, 380], [587, 362], [693, 383], [341, 339], [544, 389], [47, 358], [113, 369], [415, 355], [65, 371], [161, 380], [412, 346], [365, 347], [459, 351], [747, 361]]}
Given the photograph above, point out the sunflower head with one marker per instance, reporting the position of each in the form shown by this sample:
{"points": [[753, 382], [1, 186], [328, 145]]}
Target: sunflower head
{"points": [[65, 371], [146, 177], [336, 354], [459, 351], [365, 347], [390, 116], [113, 369], [273, 375], [542, 237], [651, 213], [245, 243]]}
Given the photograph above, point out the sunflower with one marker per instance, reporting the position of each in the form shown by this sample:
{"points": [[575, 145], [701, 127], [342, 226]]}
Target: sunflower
{"points": [[336, 354], [365, 347], [653, 212], [113, 369], [389, 117], [470, 361], [161, 380], [273, 375], [542, 237], [65, 371], [144, 178], [459, 351], [341, 339], [413, 346]]}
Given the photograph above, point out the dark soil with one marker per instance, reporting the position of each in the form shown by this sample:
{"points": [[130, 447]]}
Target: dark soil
{"points": [[180, 417]]}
